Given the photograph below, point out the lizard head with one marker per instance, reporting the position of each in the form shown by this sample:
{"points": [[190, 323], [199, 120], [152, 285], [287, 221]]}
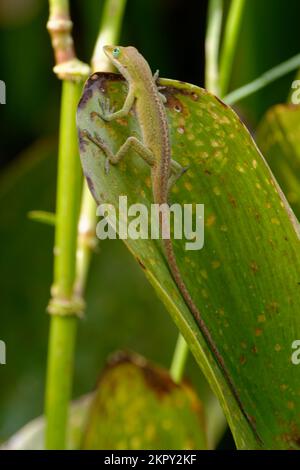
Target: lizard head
{"points": [[123, 58]]}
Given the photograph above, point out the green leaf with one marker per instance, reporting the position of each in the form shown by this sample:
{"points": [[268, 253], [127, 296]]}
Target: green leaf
{"points": [[278, 137], [246, 279], [138, 406]]}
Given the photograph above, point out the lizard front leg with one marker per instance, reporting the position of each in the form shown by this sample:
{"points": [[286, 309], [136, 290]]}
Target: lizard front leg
{"points": [[156, 78], [105, 113], [114, 158]]}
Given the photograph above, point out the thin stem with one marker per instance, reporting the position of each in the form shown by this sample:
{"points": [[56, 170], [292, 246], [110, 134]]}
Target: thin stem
{"points": [[64, 306], [179, 359], [43, 217], [109, 32], [212, 45], [86, 241], [231, 34], [68, 192], [264, 80], [61, 349], [60, 27]]}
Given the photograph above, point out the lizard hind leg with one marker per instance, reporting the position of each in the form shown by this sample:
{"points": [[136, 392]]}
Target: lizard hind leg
{"points": [[132, 143]]}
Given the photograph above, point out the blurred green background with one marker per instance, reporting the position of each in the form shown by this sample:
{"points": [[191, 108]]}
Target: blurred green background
{"points": [[170, 33]]}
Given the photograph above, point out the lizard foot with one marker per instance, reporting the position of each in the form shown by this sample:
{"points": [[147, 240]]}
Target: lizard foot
{"points": [[105, 108]]}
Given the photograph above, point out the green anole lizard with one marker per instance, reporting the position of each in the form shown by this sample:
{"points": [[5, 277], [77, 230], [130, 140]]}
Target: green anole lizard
{"points": [[155, 149]]}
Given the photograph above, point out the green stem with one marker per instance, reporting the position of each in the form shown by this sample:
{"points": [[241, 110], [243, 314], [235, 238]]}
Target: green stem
{"points": [[231, 34], [109, 33], [59, 7], [212, 45], [179, 359], [62, 336], [264, 80], [86, 241], [68, 191], [63, 328]]}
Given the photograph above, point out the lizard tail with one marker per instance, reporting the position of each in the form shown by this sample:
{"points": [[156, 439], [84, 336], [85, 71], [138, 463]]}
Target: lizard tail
{"points": [[171, 258]]}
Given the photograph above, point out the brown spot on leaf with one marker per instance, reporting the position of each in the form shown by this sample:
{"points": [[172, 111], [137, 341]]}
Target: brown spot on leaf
{"points": [[82, 141], [86, 96], [156, 378], [172, 92], [174, 103], [292, 438], [273, 307], [221, 102], [141, 264], [232, 201], [159, 381], [243, 360], [254, 268], [94, 115], [98, 82], [91, 187]]}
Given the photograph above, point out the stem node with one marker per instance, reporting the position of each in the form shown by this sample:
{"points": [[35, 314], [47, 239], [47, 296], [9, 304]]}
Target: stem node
{"points": [[67, 307]]}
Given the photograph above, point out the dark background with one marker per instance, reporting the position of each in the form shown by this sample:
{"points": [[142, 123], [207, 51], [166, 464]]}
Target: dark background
{"points": [[170, 34]]}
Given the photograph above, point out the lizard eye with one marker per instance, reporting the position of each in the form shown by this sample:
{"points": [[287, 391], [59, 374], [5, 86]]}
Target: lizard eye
{"points": [[116, 52]]}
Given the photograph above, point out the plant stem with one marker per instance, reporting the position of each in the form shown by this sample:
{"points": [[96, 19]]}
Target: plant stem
{"points": [[60, 27], [212, 44], [179, 359], [63, 305], [68, 191], [61, 348], [231, 34], [109, 33], [264, 80], [86, 241]]}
